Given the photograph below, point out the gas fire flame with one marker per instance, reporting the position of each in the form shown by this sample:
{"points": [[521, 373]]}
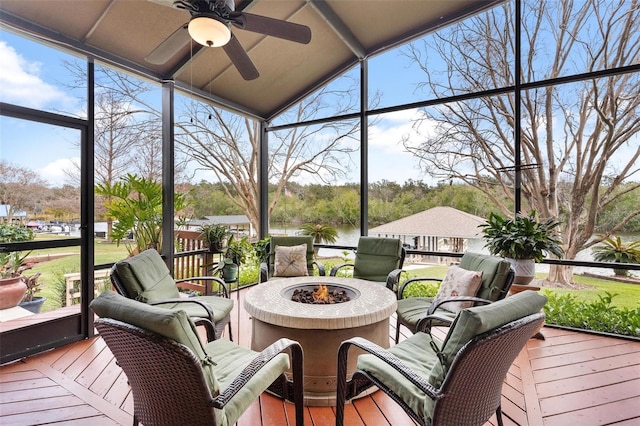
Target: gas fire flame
{"points": [[322, 293]]}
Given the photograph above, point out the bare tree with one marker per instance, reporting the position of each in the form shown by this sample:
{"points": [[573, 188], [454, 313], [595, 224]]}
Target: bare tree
{"points": [[148, 160], [579, 140], [21, 189], [228, 145], [128, 130], [115, 136]]}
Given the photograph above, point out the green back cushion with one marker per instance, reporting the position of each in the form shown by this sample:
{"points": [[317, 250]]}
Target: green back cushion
{"points": [[146, 277], [494, 270], [288, 242], [170, 323], [474, 321], [376, 257]]}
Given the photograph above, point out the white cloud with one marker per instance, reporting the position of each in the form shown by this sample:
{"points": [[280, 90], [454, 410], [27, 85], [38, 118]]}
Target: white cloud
{"points": [[54, 173], [20, 81], [390, 130]]}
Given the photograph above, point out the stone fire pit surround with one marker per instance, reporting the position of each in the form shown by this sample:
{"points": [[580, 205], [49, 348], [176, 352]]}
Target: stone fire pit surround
{"points": [[373, 303], [320, 328]]}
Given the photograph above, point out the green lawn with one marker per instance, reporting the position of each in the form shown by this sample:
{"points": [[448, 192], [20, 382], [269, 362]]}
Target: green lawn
{"points": [[628, 295], [53, 284]]}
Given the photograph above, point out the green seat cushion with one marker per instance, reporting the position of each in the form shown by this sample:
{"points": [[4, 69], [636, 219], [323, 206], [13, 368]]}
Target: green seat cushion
{"points": [[146, 277], [412, 309], [376, 258], [474, 321], [495, 271], [417, 354], [172, 324], [231, 359]]}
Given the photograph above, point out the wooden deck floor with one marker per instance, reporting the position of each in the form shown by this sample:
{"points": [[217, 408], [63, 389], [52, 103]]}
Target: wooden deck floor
{"points": [[570, 378]]}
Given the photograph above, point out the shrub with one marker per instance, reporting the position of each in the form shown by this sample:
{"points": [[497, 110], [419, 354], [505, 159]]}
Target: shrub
{"points": [[421, 289], [600, 315], [13, 233]]}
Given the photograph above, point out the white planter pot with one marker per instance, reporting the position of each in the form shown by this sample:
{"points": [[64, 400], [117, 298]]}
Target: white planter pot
{"points": [[525, 270]]}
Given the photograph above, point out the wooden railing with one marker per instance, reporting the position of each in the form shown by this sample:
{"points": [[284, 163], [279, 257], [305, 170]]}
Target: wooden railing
{"points": [[193, 258]]}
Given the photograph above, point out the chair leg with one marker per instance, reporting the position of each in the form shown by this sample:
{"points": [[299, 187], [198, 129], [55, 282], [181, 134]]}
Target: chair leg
{"points": [[297, 367], [499, 416], [397, 330], [230, 334], [341, 391]]}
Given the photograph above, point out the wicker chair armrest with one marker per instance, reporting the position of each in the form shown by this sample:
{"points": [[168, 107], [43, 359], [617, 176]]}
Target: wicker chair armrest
{"points": [[439, 302], [260, 361], [218, 280], [204, 305], [335, 269], [209, 327], [389, 358], [393, 279], [320, 266], [425, 323], [412, 280]]}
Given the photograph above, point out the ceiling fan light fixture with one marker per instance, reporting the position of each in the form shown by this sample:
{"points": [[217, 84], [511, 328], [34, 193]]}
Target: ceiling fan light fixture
{"points": [[209, 31]]}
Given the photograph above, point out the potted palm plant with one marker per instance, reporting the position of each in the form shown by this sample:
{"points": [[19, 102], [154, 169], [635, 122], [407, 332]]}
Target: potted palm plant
{"points": [[320, 233], [135, 203], [523, 241], [617, 251]]}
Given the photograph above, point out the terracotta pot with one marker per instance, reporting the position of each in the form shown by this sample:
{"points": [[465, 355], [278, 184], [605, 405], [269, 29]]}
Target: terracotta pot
{"points": [[11, 292]]}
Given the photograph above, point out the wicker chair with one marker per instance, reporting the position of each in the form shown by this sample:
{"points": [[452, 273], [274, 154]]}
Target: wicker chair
{"points": [[175, 379], [497, 277], [267, 268], [458, 382], [377, 259], [146, 278]]}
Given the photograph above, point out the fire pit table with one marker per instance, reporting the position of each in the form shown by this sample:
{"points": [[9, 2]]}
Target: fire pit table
{"points": [[320, 328]]}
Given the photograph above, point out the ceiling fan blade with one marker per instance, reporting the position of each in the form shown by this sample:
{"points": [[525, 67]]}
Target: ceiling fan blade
{"points": [[240, 59], [273, 27], [169, 47]]}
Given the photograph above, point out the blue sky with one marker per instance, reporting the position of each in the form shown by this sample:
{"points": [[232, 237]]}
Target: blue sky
{"points": [[32, 75]]}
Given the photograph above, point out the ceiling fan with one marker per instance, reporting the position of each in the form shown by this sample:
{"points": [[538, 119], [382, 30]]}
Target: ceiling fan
{"points": [[210, 25]]}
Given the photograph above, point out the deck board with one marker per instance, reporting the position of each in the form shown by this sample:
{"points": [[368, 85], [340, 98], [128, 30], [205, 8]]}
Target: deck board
{"points": [[569, 378]]}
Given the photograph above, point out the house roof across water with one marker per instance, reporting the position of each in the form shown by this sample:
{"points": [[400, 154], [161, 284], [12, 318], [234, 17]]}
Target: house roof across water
{"points": [[442, 222]]}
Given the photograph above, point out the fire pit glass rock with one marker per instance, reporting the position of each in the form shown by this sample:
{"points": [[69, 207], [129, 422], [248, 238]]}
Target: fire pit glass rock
{"points": [[321, 294]]}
